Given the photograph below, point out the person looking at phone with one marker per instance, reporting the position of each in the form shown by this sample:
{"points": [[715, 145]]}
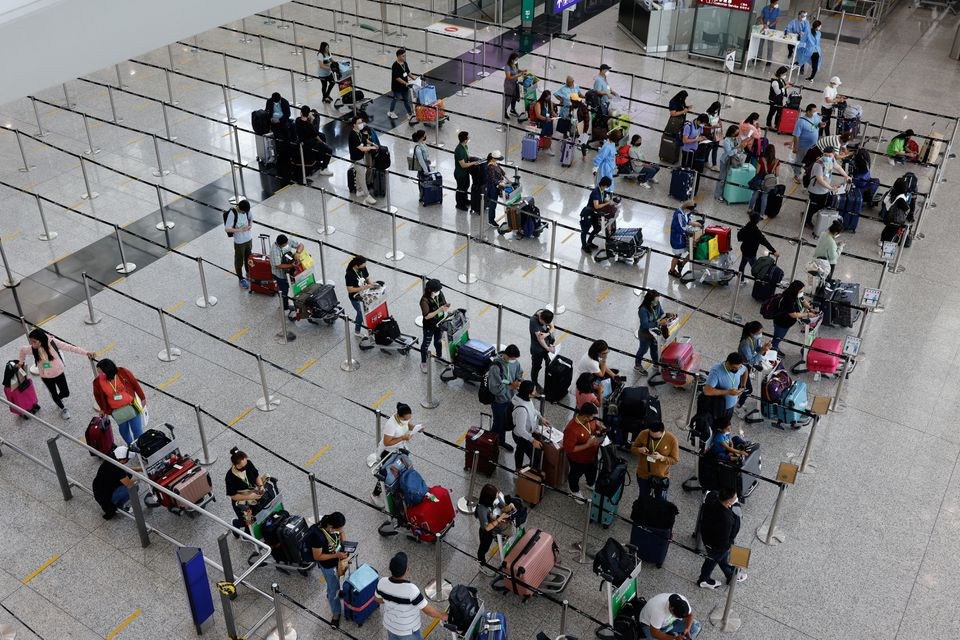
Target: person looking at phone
{"points": [[728, 379], [657, 450], [494, 513], [326, 545], [581, 441], [245, 487], [653, 323]]}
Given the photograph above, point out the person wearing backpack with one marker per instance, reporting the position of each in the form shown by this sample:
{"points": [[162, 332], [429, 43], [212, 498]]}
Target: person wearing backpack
{"points": [[502, 380], [821, 187], [785, 309], [828, 248], [494, 513], [805, 135], [527, 421], [767, 165], [751, 237], [238, 224], [46, 352]]}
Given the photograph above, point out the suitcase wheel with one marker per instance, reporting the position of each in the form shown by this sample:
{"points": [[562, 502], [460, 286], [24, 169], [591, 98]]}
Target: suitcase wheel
{"points": [[303, 572]]}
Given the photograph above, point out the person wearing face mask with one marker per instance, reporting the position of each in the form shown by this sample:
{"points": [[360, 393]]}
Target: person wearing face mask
{"points": [[462, 166], [245, 486], [657, 450], [503, 380], [821, 185], [652, 322], [828, 248], [601, 205], [397, 431], [751, 237], [494, 512], [727, 379], [46, 351], [282, 266], [495, 180], [808, 50], [646, 171], [719, 526], [361, 148], [581, 441], [541, 342], [562, 96], [791, 306], [511, 84], [357, 280], [602, 88], [798, 26], [605, 163], [527, 423], [751, 349], [805, 135], [769, 17], [682, 226], [433, 308], [326, 547]]}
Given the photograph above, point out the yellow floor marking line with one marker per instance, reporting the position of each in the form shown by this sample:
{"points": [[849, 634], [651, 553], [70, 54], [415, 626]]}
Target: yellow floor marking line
{"points": [[382, 398], [401, 223], [42, 567], [117, 281], [45, 320], [431, 627], [183, 244], [342, 204], [11, 236], [570, 235], [183, 156], [461, 439], [794, 189], [319, 453], [139, 138], [346, 262], [126, 182], [281, 189], [113, 634], [513, 148], [484, 310], [176, 306], [240, 417], [562, 337], [306, 366], [460, 248], [66, 255], [169, 382], [238, 334], [413, 285], [603, 295], [698, 198], [530, 270], [106, 348], [538, 189]]}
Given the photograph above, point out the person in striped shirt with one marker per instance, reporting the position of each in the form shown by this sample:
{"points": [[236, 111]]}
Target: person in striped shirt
{"points": [[402, 602]]}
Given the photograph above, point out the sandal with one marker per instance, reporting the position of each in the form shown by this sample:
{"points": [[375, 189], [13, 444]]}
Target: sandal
{"points": [[673, 273]]}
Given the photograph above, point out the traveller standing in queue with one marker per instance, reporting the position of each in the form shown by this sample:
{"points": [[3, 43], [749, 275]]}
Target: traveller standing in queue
{"points": [[657, 450], [512, 73], [462, 168], [238, 222], [326, 546], [433, 308], [541, 342], [282, 265], [119, 395], [791, 306], [527, 423], [601, 87], [357, 281], [495, 180], [494, 512], [727, 379], [503, 380], [581, 441], [46, 351], [361, 146], [402, 602], [719, 526]]}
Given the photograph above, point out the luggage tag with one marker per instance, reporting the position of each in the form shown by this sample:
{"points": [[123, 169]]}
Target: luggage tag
{"points": [[118, 396]]}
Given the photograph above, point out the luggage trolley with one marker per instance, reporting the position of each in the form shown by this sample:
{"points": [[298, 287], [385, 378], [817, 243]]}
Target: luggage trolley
{"points": [[315, 302], [620, 245], [269, 534], [429, 113], [383, 330], [482, 624], [347, 94], [523, 567], [470, 359], [160, 458], [523, 216], [416, 518]]}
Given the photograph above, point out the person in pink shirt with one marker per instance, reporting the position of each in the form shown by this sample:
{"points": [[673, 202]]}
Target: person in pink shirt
{"points": [[46, 354], [750, 135]]}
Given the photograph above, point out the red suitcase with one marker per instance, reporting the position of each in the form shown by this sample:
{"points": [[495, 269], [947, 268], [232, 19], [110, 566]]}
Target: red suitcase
{"points": [[530, 561], [431, 516], [258, 268], [723, 237], [99, 434], [486, 444], [170, 476], [788, 120], [676, 356], [24, 395], [829, 363]]}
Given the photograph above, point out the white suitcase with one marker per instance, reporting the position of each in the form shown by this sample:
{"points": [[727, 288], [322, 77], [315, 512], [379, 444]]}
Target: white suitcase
{"points": [[266, 149], [823, 219]]}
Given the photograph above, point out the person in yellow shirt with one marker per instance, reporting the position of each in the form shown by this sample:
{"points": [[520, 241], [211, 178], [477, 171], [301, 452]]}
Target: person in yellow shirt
{"points": [[657, 450]]}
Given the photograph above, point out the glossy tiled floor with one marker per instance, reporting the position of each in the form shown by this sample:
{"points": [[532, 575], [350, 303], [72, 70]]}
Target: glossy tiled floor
{"points": [[869, 551]]}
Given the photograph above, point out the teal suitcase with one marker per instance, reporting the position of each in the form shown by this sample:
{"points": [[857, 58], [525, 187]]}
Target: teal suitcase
{"points": [[736, 191]]}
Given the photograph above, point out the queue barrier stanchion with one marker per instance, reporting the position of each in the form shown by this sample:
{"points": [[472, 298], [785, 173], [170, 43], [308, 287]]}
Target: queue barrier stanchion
{"points": [[226, 103], [283, 336], [394, 254], [58, 468], [837, 405], [23, 156], [323, 263], [429, 402], [314, 499], [243, 27], [207, 460], [296, 51], [166, 122], [164, 224], [768, 533], [306, 74], [499, 343], [36, 114], [293, 89], [468, 503], [263, 64], [92, 318], [266, 402], [66, 97], [693, 400], [349, 364], [283, 23], [284, 630], [205, 300], [463, 87], [116, 69], [883, 124], [113, 106], [556, 307], [326, 229], [89, 194], [47, 235], [10, 281], [303, 165], [124, 267], [378, 426], [439, 589], [551, 263], [796, 255], [173, 65], [168, 354], [467, 277], [170, 98], [897, 267], [137, 507], [159, 171], [819, 407], [646, 275], [724, 617], [343, 19], [580, 557], [235, 198], [732, 314], [563, 617], [423, 289]]}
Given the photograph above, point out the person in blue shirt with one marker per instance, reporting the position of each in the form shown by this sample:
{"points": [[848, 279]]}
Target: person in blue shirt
{"points": [[808, 50], [727, 379], [723, 444], [692, 136], [769, 17], [602, 88], [805, 135], [798, 26], [605, 164], [681, 226], [752, 349], [562, 96], [652, 322]]}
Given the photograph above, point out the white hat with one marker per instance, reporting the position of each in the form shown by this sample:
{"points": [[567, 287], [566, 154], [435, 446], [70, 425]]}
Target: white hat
{"points": [[496, 155], [121, 453], [835, 80]]}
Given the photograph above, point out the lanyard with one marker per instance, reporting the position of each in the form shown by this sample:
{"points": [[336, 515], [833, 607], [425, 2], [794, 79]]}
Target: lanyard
{"points": [[334, 543], [113, 385]]}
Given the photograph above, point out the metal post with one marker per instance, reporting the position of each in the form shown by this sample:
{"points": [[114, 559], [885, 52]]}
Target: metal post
{"points": [[326, 229], [58, 468], [235, 198], [124, 267], [483, 73], [467, 277], [282, 23], [283, 336], [296, 45], [897, 268], [336, 34], [269, 18], [732, 314], [646, 273], [356, 13], [633, 106], [549, 64], [467, 504], [166, 122], [342, 19], [693, 398], [170, 57], [426, 50], [36, 114], [556, 307], [116, 69], [66, 98], [883, 272], [563, 618], [378, 425], [206, 300], [47, 234], [166, 75], [263, 63], [226, 104], [159, 171], [582, 545], [207, 459], [805, 459], [383, 29], [727, 621], [796, 255], [323, 264], [303, 160], [400, 20], [282, 627], [306, 77], [439, 589], [91, 150], [349, 364], [475, 49], [768, 533], [243, 31], [236, 142], [225, 603], [23, 156], [168, 354], [313, 497], [551, 263], [835, 405], [463, 91], [267, 402], [437, 142], [499, 344], [137, 507], [92, 318], [394, 254], [293, 89], [113, 106], [430, 402], [163, 225], [836, 43]]}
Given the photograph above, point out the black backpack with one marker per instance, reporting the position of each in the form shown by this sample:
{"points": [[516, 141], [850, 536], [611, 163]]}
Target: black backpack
{"points": [[387, 331], [626, 626], [614, 562], [226, 214], [484, 395], [463, 607], [612, 474]]}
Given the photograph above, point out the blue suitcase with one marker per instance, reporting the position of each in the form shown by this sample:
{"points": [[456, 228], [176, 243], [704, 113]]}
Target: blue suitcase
{"points": [[476, 353], [850, 204], [431, 189], [793, 401], [530, 147], [358, 590], [683, 184], [494, 619], [652, 544], [604, 510]]}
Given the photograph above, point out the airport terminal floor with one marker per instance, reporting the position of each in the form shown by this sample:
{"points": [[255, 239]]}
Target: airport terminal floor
{"points": [[114, 188]]}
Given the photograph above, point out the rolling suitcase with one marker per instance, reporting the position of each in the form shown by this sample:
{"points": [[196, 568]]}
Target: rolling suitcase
{"points": [[823, 219], [152, 441], [171, 475], [566, 152], [260, 122], [266, 149], [849, 205], [555, 465], [99, 434], [258, 269], [19, 390], [431, 190], [676, 356], [652, 544], [529, 485], [829, 363], [723, 237], [840, 296], [792, 402], [683, 184], [530, 561], [736, 191], [494, 627], [357, 593], [476, 353], [377, 182], [774, 202], [486, 444], [432, 515], [529, 147], [195, 487], [557, 378], [788, 120], [669, 149], [293, 533], [352, 179], [603, 509]]}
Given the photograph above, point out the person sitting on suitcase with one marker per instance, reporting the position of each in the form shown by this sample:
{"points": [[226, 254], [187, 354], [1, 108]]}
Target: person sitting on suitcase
{"points": [[245, 486], [496, 514], [402, 602], [719, 526], [112, 482], [728, 379], [667, 616], [828, 248], [527, 421], [657, 450], [724, 445], [326, 547]]}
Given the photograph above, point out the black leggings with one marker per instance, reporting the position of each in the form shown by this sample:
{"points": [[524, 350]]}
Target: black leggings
{"points": [[58, 388], [327, 85], [814, 65], [486, 540], [773, 115]]}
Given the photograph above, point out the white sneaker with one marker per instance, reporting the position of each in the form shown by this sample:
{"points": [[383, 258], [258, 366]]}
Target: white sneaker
{"points": [[370, 200], [654, 180], [65, 413], [741, 577], [646, 185], [487, 571], [424, 367], [551, 152], [891, 161], [579, 496], [325, 172], [710, 584], [392, 115]]}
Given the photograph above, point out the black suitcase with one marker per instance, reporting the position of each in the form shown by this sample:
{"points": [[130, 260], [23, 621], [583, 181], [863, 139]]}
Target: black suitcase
{"points": [[270, 529], [260, 122], [763, 290], [377, 182], [669, 149], [352, 179], [152, 441], [652, 544], [632, 411], [557, 378], [847, 294], [386, 331], [292, 536], [323, 298]]}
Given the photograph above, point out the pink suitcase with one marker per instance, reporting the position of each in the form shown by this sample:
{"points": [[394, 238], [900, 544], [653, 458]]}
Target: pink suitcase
{"points": [[24, 396], [676, 356], [195, 487], [530, 561], [818, 362]]}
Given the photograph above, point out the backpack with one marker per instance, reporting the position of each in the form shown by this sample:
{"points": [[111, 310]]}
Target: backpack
{"points": [[226, 214], [813, 154], [771, 308], [484, 395], [614, 563], [412, 486], [463, 607]]}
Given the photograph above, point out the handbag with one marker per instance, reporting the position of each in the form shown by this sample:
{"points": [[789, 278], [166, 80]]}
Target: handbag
{"points": [[125, 413], [563, 126]]}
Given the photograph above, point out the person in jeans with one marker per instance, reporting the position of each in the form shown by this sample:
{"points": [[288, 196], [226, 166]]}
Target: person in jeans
{"points": [[238, 224], [581, 441], [357, 280], [646, 171], [111, 485], [652, 319], [400, 84], [326, 545], [282, 266], [421, 157], [691, 137], [494, 180], [791, 307], [494, 512], [751, 237], [667, 616], [657, 450], [821, 185], [503, 380], [527, 422], [462, 166], [433, 308], [46, 352], [541, 342], [119, 395], [719, 526], [402, 603], [752, 348]]}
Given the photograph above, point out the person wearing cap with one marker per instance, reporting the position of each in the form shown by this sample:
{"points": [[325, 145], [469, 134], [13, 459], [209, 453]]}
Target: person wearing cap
{"points": [[112, 482], [565, 94], [667, 616], [433, 308], [821, 185], [581, 441], [402, 602], [799, 27], [503, 380], [831, 99], [769, 17], [400, 84], [602, 88], [495, 180], [808, 50], [278, 108], [527, 423]]}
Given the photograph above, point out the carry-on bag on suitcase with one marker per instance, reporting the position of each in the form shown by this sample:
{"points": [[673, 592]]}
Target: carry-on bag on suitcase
{"points": [[357, 592], [485, 444], [476, 353], [292, 535], [723, 237], [19, 390], [99, 434], [529, 562], [258, 269], [432, 515]]}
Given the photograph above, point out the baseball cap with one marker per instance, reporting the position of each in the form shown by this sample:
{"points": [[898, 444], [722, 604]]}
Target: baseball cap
{"points": [[121, 453], [605, 67], [835, 80]]}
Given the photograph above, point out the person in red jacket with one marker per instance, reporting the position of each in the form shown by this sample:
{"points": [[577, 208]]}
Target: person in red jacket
{"points": [[118, 394], [581, 439]]}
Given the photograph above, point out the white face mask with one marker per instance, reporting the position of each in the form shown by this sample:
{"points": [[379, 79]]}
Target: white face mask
{"points": [[500, 501], [800, 296], [361, 126]]}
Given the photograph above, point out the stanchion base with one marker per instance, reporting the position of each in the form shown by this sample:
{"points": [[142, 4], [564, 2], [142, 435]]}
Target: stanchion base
{"points": [[393, 209], [34, 371], [29, 167], [10, 284], [483, 74], [463, 93], [777, 537], [289, 633], [418, 321], [125, 268], [399, 255], [559, 310], [429, 405], [550, 266], [163, 226], [587, 557], [284, 339], [46, 237], [169, 355], [88, 152], [231, 120], [349, 365], [467, 279], [326, 231], [736, 317], [208, 462], [90, 196], [464, 506], [733, 621], [899, 269], [157, 173], [265, 404], [89, 320], [431, 591], [209, 302]]}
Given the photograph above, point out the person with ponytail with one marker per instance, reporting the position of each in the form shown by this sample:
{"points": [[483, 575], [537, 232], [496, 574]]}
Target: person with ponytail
{"points": [[397, 431], [326, 545], [245, 486], [46, 352]]}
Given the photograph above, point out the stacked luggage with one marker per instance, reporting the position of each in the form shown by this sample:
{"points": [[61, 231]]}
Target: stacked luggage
{"points": [[669, 142], [711, 258], [615, 562], [287, 537], [676, 359], [424, 511], [652, 530], [624, 244], [318, 302], [848, 119], [837, 301], [767, 276], [782, 399], [611, 478], [471, 360], [714, 474], [19, 391], [629, 412], [524, 219], [533, 566], [162, 461]]}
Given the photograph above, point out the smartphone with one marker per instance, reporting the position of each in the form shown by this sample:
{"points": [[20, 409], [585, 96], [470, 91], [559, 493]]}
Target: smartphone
{"points": [[349, 547]]}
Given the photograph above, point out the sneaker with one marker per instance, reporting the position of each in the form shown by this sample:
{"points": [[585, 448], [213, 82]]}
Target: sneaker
{"points": [[891, 161], [325, 172], [370, 200], [709, 584], [551, 152], [65, 413], [244, 284], [654, 180], [645, 185], [377, 500], [424, 367], [356, 332], [640, 371], [493, 224], [392, 115], [741, 577], [487, 570], [579, 496]]}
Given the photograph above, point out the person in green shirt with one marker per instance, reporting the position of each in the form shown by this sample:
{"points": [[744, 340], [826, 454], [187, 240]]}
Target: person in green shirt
{"points": [[462, 166], [828, 248], [897, 149]]}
